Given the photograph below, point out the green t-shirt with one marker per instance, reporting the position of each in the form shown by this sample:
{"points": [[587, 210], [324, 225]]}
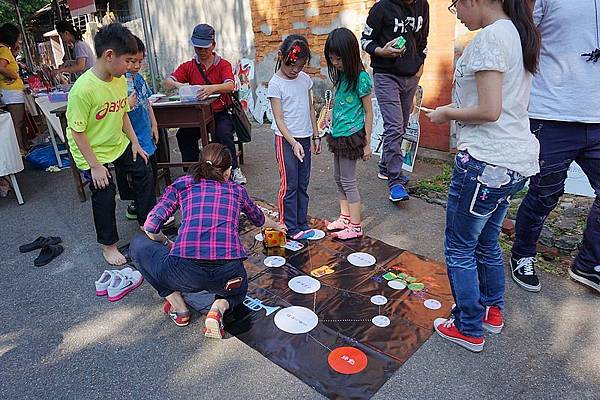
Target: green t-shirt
{"points": [[97, 107], [348, 110]]}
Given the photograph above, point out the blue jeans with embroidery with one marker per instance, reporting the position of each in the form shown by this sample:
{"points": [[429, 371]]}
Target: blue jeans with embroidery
{"points": [[478, 199]]}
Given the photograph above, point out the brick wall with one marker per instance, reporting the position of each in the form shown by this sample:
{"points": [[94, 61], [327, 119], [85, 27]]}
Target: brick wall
{"points": [[274, 19]]}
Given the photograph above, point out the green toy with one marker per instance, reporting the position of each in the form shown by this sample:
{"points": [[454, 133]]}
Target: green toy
{"points": [[400, 42]]}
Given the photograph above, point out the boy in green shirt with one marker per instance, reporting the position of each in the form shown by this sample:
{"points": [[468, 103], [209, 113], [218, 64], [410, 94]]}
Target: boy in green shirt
{"points": [[99, 133]]}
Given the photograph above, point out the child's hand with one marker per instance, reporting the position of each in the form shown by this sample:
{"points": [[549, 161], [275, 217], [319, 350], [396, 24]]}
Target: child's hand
{"points": [[155, 133], [298, 151], [137, 149], [316, 145], [100, 176], [367, 152], [132, 100], [440, 116]]}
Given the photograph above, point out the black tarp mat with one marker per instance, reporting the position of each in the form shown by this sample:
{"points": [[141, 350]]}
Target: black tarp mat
{"points": [[345, 334], [344, 309]]}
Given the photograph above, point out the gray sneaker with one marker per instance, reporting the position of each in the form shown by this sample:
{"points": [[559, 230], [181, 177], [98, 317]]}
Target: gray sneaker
{"points": [[238, 176]]}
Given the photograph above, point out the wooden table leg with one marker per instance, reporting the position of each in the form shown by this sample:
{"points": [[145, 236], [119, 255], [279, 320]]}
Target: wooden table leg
{"points": [[79, 185]]}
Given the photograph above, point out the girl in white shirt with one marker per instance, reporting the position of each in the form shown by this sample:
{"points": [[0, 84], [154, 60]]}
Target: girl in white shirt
{"points": [[497, 152], [294, 123]]}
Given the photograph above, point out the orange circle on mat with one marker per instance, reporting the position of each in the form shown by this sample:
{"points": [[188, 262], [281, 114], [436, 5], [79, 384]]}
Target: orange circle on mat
{"points": [[347, 360]]}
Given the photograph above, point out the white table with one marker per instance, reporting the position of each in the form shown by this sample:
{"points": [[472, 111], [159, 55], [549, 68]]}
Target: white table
{"points": [[10, 156], [53, 123]]}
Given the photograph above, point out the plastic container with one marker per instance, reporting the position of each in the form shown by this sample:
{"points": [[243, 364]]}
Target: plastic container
{"points": [[129, 77], [189, 93], [58, 97]]}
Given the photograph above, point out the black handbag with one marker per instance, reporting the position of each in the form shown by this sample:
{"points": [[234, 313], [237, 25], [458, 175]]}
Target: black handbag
{"points": [[235, 111]]}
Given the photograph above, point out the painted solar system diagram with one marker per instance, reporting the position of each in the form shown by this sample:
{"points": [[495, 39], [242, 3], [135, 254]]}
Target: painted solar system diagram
{"points": [[341, 316]]}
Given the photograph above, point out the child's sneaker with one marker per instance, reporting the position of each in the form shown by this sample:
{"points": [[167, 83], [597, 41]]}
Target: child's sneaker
{"points": [[341, 223], [104, 280], [350, 232], [446, 329], [213, 325], [180, 318], [492, 319], [131, 212], [122, 283]]}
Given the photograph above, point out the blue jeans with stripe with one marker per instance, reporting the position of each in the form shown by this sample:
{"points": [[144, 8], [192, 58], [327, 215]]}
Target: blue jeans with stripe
{"points": [[292, 200], [478, 199]]}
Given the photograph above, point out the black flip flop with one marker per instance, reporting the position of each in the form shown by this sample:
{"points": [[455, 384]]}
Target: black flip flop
{"points": [[39, 243], [48, 253]]}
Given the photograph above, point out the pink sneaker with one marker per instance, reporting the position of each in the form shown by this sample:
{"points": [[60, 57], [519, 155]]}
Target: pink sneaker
{"points": [[350, 232], [341, 223]]}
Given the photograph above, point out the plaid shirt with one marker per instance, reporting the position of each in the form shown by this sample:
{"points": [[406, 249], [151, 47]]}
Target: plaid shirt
{"points": [[210, 213]]}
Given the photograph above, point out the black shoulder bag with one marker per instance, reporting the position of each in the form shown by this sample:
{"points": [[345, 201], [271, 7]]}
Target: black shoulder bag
{"points": [[237, 115]]}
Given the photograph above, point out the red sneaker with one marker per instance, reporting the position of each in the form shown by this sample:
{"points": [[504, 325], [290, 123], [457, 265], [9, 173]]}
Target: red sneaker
{"points": [[446, 329], [180, 319], [213, 325], [493, 320]]}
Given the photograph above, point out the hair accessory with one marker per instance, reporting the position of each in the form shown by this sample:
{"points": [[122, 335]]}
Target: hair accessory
{"points": [[294, 53], [209, 162]]}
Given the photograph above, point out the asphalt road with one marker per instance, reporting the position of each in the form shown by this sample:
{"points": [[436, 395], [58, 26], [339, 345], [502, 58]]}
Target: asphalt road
{"points": [[59, 341]]}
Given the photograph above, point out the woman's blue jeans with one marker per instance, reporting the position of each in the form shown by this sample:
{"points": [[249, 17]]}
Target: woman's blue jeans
{"points": [[478, 199]]}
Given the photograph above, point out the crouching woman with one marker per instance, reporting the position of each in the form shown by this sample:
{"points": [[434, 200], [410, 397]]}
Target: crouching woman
{"points": [[208, 253]]}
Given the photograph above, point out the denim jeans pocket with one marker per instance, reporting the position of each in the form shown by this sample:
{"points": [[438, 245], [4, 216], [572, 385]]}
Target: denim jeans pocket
{"points": [[486, 200], [535, 126]]}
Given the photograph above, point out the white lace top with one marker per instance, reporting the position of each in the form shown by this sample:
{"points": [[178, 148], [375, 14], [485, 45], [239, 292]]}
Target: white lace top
{"points": [[507, 142]]}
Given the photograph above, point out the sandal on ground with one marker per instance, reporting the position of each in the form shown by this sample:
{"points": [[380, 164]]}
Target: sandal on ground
{"points": [[213, 325], [39, 243], [48, 254], [180, 318]]}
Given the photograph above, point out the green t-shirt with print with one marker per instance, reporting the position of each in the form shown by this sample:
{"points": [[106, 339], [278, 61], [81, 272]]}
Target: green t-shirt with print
{"points": [[348, 110], [97, 107]]}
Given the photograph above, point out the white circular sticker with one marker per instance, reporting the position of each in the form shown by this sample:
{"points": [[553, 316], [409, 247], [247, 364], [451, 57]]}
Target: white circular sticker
{"points": [[274, 261], [379, 300], [361, 259], [381, 321], [432, 304], [304, 284], [296, 319], [396, 285], [259, 237], [319, 234]]}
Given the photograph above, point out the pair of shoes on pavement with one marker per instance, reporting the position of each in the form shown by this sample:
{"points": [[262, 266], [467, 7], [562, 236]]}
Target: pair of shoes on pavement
{"points": [[50, 249], [493, 322], [344, 229], [523, 273], [117, 284]]}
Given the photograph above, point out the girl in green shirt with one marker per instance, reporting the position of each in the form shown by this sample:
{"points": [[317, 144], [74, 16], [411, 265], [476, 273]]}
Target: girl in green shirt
{"points": [[352, 122]]}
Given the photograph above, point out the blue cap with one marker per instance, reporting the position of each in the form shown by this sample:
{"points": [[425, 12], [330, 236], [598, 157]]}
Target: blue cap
{"points": [[203, 36]]}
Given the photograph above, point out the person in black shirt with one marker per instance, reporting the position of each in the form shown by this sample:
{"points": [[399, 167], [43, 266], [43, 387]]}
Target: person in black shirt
{"points": [[396, 73]]}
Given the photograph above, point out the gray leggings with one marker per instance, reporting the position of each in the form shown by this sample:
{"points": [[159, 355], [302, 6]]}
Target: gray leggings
{"points": [[344, 173]]}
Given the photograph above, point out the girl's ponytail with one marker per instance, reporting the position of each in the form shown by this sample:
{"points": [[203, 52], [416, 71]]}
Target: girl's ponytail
{"points": [[215, 159], [521, 14]]}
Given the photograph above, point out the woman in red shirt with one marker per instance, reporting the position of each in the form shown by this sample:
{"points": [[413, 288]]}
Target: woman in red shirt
{"points": [[215, 75]]}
